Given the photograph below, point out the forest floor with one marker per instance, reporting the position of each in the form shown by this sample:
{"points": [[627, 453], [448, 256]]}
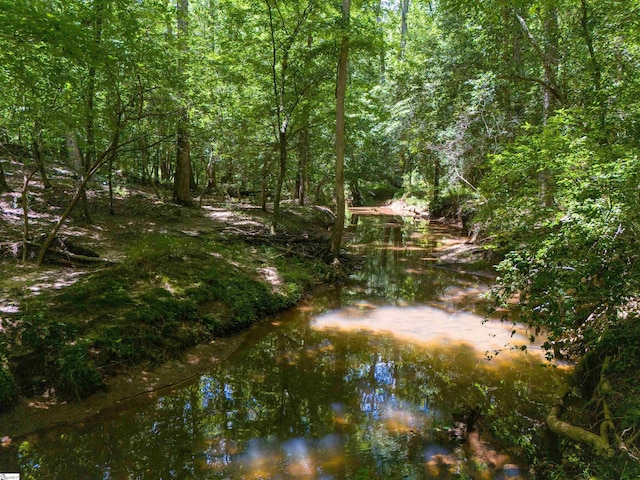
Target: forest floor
{"points": [[167, 279]]}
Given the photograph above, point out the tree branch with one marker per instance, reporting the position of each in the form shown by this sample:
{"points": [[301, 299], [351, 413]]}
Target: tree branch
{"points": [[550, 75]]}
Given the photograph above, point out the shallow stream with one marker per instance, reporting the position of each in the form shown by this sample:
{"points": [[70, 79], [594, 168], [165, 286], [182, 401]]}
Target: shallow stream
{"points": [[363, 381]]}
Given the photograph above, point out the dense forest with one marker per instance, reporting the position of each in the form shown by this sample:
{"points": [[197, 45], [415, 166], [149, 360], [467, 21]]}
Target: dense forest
{"points": [[520, 119]]}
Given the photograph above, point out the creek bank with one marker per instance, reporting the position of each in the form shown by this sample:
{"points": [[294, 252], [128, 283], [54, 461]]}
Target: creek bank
{"points": [[130, 384], [176, 279]]}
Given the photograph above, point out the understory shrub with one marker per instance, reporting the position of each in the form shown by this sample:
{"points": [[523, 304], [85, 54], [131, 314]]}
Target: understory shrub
{"points": [[8, 391], [77, 377]]}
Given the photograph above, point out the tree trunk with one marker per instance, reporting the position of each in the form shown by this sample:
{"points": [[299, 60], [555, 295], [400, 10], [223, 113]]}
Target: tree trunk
{"points": [[4, 186], [303, 160], [183, 174], [382, 53], [404, 6], [551, 30], [25, 214], [38, 155], [341, 88], [596, 69], [212, 182], [356, 195], [436, 180], [264, 181], [283, 169], [90, 153], [76, 162], [551, 33], [144, 160], [304, 146], [552, 93], [112, 205], [104, 156]]}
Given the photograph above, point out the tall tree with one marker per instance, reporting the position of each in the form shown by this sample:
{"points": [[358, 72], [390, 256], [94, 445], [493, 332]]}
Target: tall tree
{"points": [[341, 90], [404, 13], [183, 174], [98, 8], [286, 26]]}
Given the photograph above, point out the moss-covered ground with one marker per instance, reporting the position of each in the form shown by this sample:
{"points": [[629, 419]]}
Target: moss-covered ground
{"points": [[175, 277]]}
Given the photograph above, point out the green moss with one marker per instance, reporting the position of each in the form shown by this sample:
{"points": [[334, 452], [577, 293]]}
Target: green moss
{"points": [[159, 305], [106, 289], [247, 299], [117, 345]]}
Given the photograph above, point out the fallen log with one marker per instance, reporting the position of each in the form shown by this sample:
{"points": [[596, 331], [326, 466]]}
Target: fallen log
{"points": [[62, 251], [77, 257]]}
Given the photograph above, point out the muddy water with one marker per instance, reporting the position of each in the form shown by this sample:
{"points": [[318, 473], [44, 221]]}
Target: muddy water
{"points": [[361, 382]]}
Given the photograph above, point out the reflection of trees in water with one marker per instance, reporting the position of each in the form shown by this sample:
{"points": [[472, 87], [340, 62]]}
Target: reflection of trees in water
{"points": [[299, 400], [397, 267], [296, 401]]}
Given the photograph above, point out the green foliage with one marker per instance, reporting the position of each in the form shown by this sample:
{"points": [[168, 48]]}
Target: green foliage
{"points": [[169, 294], [159, 306], [572, 260], [562, 208], [76, 376], [246, 298], [44, 335], [8, 390], [456, 202], [417, 185], [98, 292], [534, 102]]}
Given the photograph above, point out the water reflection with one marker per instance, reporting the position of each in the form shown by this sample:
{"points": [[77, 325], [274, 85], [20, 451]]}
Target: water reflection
{"points": [[357, 383], [430, 327], [399, 267]]}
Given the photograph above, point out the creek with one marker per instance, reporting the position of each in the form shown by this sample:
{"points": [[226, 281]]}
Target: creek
{"points": [[363, 381]]}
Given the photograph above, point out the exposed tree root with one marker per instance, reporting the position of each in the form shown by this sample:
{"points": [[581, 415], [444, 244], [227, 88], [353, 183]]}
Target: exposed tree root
{"points": [[599, 442]]}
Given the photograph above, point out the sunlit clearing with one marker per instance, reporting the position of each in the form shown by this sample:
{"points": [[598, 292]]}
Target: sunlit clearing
{"points": [[224, 215], [55, 281], [271, 275], [217, 213], [427, 325]]}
